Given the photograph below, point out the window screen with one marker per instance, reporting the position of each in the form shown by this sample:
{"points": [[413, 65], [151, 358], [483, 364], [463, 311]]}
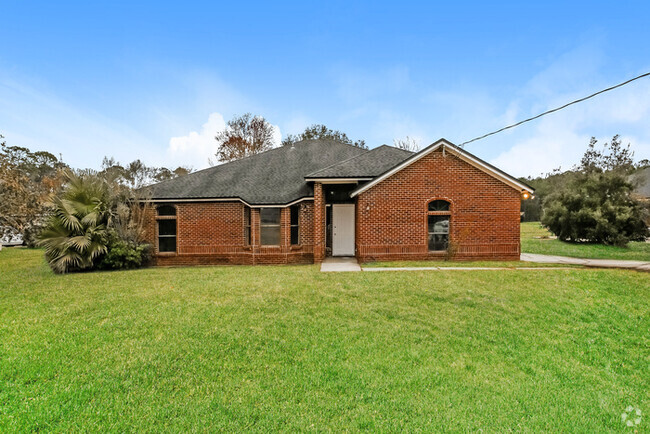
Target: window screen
{"points": [[270, 226], [247, 226], [438, 232], [167, 235], [295, 225]]}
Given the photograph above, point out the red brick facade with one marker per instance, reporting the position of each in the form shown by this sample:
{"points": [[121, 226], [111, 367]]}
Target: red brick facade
{"points": [[211, 233], [391, 221]]}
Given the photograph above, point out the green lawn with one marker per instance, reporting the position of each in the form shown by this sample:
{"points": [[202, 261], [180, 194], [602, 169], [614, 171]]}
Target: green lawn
{"points": [[292, 349], [532, 243]]}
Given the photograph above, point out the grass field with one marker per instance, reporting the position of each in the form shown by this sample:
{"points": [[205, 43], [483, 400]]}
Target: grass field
{"points": [[289, 348], [532, 243]]}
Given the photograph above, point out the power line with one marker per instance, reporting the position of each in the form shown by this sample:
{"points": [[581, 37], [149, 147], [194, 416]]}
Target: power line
{"points": [[555, 109]]}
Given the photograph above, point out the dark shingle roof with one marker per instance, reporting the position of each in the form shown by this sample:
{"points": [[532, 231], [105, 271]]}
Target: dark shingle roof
{"points": [[367, 165], [272, 177]]}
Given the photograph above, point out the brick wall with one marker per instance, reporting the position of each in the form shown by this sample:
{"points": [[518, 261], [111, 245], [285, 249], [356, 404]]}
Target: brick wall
{"points": [[392, 215], [213, 233]]}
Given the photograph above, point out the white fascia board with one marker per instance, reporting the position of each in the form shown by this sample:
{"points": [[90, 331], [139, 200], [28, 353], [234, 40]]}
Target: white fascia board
{"points": [[337, 180], [285, 205], [233, 199]]}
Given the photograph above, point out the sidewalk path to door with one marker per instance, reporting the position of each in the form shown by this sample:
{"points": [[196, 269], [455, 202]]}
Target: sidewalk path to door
{"points": [[598, 263], [336, 264]]}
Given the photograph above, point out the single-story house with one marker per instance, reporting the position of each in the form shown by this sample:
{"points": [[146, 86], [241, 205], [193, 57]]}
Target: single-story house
{"points": [[301, 203]]}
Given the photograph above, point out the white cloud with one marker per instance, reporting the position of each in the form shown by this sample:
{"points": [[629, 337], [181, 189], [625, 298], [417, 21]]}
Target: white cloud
{"points": [[560, 139], [548, 149], [197, 148]]}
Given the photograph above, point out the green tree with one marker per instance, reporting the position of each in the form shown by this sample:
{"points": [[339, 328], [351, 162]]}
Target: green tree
{"points": [[26, 180], [318, 131], [595, 202], [136, 174]]}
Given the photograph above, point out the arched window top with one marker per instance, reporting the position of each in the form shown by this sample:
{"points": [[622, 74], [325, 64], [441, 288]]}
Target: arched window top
{"points": [[438, 205], [166, 210]]}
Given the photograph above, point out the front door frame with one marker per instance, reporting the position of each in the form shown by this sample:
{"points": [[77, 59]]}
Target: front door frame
{"points": [[345, 244]]}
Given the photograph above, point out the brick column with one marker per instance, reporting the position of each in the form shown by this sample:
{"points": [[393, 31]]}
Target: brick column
{"points": [[255, 233], [319, 223]]}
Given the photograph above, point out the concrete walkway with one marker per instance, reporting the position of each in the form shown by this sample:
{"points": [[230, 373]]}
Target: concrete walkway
{"points": [[465, 268], [337, 264], [597, 263]]}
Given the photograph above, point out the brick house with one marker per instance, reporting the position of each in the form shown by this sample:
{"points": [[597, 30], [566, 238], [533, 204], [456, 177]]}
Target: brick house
{"points": [[301, 203]]}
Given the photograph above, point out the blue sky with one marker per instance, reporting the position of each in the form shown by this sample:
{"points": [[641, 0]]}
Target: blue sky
{"points": [[156, 80]]}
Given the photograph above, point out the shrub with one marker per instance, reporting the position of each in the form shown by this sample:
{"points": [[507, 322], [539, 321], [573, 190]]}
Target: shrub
{"points": [[95, 223], [124, 255], [596, 207], [76, 233]]}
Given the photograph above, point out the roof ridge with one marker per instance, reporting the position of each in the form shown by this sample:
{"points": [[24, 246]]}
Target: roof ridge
{"points": [[312, 174], [399, 149], [340, 162], [248, 157], [217, 166]]}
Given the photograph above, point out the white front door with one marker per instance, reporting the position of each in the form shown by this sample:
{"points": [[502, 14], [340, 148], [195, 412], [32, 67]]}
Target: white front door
{"points": [[343, 230]]}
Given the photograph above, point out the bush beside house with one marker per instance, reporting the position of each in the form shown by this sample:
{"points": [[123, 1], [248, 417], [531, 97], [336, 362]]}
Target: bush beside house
{"points": [[595, 202], [94, 225]]}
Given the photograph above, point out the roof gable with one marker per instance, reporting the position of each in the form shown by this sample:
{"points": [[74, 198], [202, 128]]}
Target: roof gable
{"points": [[460, 153]]}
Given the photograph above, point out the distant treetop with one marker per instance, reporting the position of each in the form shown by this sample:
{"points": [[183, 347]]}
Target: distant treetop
{"points": [[319, 131]]}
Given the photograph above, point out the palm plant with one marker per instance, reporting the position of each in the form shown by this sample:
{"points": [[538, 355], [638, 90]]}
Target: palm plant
{"points": [[77, 231]]}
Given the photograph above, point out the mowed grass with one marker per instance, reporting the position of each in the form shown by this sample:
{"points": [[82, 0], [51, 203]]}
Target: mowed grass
{"points": [[289, 348], [534, 240]]}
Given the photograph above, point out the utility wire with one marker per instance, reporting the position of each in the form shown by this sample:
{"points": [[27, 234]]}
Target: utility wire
{"points": [[555, 109]]}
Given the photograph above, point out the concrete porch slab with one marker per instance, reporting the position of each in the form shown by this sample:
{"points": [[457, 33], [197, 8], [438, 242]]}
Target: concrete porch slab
{"points": [[339, 264]]}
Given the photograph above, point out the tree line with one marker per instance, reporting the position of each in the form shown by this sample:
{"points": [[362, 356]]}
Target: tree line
{"points": [[29, 180]]}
